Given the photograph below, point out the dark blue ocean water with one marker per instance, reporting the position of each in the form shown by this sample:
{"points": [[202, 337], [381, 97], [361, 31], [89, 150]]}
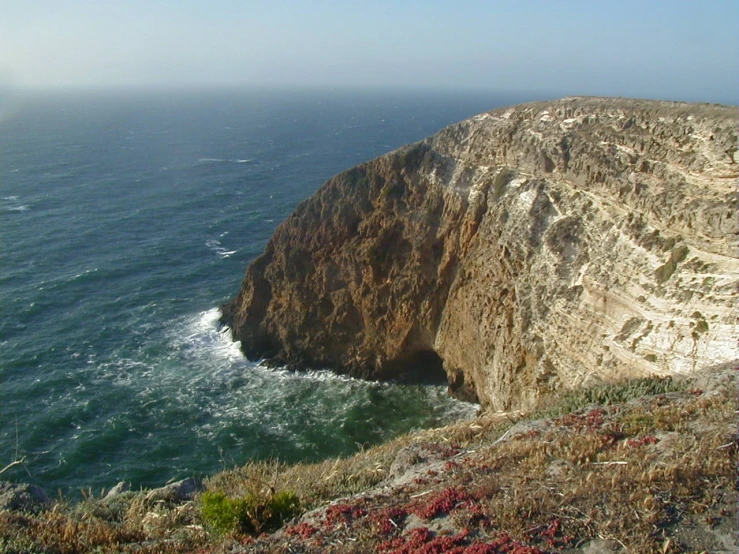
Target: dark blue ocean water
{"points": [[125, 220]]}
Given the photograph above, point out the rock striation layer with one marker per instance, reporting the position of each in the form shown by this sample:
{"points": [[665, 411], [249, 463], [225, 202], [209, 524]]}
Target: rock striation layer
{"points": [[524, 251]]}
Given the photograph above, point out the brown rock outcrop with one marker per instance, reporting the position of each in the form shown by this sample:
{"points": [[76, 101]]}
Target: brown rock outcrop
{"points": [[525, 250]]}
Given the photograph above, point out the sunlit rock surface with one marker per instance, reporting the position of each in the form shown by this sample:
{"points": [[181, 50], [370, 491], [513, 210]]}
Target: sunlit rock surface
{"points": [[521, 252]]}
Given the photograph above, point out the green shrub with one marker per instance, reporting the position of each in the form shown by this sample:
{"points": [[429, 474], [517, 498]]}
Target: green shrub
{"points": [[284, 506], [250, 515], [617, 393], [221, 513]]}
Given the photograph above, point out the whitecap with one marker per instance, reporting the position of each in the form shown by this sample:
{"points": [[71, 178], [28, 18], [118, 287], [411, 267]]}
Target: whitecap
{"points": [[203, 336], [224, 160], [217, 248], [18, 209], [86, 272]]}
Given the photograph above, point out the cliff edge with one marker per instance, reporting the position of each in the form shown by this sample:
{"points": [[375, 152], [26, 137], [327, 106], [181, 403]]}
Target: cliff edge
{"points": [[524, 251]]}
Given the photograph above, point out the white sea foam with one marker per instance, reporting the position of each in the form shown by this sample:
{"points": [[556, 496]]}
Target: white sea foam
{"points": [[146, 378], [255, 409], [313, 375], [215, 246], [86, 272], [205, 338], [224, 160]]}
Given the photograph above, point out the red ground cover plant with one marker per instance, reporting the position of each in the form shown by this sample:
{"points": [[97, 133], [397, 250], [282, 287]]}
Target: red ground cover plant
{"points": [[589, 421], [533, 434], [441, 503], [636, 443], [552, 535], [303, 530], [343, 513], [389, 520], [506, 544]]}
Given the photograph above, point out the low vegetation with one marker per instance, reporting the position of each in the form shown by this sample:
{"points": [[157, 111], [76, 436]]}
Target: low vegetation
{"points": [[646, 466], [252, 514]]}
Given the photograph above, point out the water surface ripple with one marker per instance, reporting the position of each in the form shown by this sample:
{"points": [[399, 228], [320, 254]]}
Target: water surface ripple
{"points": [[125, 220]]}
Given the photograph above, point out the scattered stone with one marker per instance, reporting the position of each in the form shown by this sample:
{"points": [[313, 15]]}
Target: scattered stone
{"points": [[175, 493], [120, 488], [22, 497], [406, 458], [526, 427], [600, 546]]}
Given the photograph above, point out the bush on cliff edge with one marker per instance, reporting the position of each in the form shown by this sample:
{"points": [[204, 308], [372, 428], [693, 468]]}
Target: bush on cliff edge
{"points": [[250, 515]]}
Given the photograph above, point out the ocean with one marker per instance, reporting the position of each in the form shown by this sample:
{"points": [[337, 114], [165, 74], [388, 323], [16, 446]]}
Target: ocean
{"points": [[126, 219]]}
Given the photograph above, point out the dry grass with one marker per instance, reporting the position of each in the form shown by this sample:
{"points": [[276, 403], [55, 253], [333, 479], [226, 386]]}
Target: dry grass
{"points": [[604, 465], [313, 483], [613, 480], [127, 524], [652, 475]]}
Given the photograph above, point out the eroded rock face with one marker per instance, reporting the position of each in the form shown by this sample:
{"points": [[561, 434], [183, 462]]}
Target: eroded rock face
{"points": [[520, 252]]}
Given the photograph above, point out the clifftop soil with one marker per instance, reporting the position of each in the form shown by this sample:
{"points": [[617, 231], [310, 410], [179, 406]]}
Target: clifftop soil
{"points": [[521, 253], [648, 466], [654, 474]]}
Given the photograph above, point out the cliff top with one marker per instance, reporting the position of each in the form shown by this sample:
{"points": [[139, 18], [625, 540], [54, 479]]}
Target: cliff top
{"points": [[527, 250], [644, 466]]}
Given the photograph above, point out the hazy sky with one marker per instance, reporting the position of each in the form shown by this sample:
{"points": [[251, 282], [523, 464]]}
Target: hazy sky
{"points": [[649, 48]]}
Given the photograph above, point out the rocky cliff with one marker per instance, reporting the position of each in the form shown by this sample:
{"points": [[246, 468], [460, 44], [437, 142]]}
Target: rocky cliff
{"points": [[524, 251]]}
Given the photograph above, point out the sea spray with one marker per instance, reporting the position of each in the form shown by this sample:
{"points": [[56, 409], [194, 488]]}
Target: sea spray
{"points": [[127, 219]]}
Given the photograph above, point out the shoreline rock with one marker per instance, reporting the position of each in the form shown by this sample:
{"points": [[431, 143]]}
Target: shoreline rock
{"points": [[519, 253]]}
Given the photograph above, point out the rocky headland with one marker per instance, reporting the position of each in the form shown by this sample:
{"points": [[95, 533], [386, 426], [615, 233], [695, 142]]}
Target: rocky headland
{"points": [[525, 254], [520, 253]]}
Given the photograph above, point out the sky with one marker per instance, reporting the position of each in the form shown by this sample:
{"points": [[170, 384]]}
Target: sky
{"points": [[671, 49]]}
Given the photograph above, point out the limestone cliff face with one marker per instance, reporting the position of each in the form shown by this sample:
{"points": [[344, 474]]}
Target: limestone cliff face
{"points": [[520, 252]]}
